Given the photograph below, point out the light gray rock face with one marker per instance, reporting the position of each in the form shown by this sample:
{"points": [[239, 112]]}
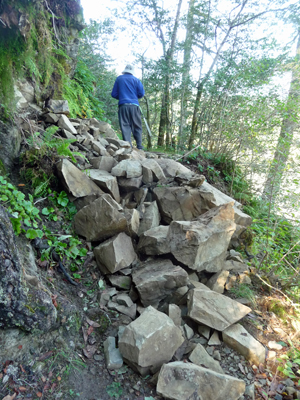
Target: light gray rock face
{"points": [[173, 168], [68, 135], [133, 221], [120, 282], [217, 282], [199, 356], [214, 310], [239, 339], [154, 241], [150, 341], [52, 118], [98, 147], [129, 311], [129, 185], [112, 355], [105, 163], [119, 143], [235, 266], [105, 181], [155, 168], [115, 253], [174, 313], [60, 107], [179, 203], [185, 381], [151, 218], [156, 279], [202, 244], [128, 169], [65, 123], [10, 142], [186, 203], [101, 219], [75, 181]]}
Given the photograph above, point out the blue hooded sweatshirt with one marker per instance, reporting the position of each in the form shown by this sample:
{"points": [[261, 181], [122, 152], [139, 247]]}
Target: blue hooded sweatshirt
{"points": [[128, 89]]}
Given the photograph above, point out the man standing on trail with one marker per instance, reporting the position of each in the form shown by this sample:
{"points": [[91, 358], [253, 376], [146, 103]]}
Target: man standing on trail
{"points": [[128, 89]]}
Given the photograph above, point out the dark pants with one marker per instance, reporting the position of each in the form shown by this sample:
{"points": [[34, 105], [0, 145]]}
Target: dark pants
{"points": [[130, 121]]}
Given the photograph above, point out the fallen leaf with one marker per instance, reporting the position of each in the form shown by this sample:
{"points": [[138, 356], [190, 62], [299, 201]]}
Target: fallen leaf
{"points": [[22, 369], [46, 387], [53, 387], [85, 335], [20, 347], [261, 376], [9, 397], [261, 367], [92, 323], [90, 330], [59, 378], [46, 355], [39, 394], [22, 389], [43, 379], [21, 184], [89, 351]]}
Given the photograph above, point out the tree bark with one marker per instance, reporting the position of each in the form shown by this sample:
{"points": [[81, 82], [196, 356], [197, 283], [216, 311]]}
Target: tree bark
{"points": [[164, 128], [288, 126]]}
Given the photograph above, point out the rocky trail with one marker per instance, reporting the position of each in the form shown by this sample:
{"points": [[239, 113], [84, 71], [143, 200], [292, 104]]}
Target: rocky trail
{"points": [[152, 315]]}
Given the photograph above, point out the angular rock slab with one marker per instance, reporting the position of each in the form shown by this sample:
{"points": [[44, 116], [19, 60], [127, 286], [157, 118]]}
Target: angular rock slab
{"points": [[156, 279], [202, 244], [150, 341], [151, 218], [105, 181], [112, 355], [101, 219], [199, 356], [65, 123], [214, 310], [154, 241], [129, 185], [128, 168], [218, 281], [153, 166], [115, 253], [239, 339], [75, 181], [185, 381]]}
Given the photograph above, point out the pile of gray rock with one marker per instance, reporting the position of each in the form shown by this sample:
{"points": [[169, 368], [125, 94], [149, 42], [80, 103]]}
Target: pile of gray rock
{"points": [[161, 238]]}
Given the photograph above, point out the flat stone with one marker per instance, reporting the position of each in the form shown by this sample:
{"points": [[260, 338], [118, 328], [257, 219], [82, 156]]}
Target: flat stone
{"points": [[184, 381], [129, 185], [214, 309], [75, 181], [154, 241], [275, 346], [204, 331], [217, 282], [214, 340], [104, 163], [51, 118], [120, 282], [151, 218], [156, 279], [133, 221], [150, 341], [239, 339], [101, 219], [188, 331], [112, 355], [129, 311], [199, 356], [174, 313], [154, 167], [99, 148], [105, 181], [128, 168], [65, 123], [202, 244], [60, 107], [115, 253]]}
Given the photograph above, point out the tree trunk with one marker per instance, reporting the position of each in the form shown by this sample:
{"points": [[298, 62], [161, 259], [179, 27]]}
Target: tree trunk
{"points": [[164, 116], [288, 126], [186, 73]]}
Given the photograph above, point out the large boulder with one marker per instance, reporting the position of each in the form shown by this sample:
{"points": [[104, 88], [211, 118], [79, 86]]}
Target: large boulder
{"points": [[105, 181], [186, 203], [127, 168], [101, 219], [202, 244], [150, 341], [200, 356], [239, 339], [151, 218], [154, 241], [75, 181], [185, 381], [214, 310], [115, 253], [156, 279]]}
